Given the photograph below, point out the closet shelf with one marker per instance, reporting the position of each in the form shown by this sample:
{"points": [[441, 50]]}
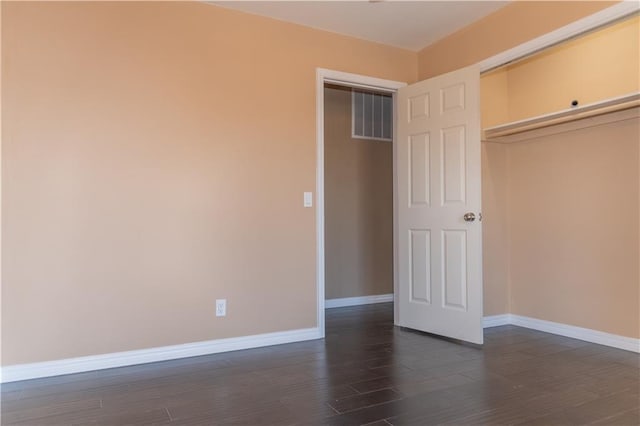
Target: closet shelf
{"points": [[500, 133]]}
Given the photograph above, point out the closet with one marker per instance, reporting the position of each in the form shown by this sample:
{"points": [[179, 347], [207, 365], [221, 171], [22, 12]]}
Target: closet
{"points": [[561, 182]]}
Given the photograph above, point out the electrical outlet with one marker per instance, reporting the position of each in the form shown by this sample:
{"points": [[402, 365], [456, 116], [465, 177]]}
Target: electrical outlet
{"points": [[221, 307]]}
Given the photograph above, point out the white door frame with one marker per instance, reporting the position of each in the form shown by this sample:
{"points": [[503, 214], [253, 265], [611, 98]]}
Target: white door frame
{"points": [[323, 76]]}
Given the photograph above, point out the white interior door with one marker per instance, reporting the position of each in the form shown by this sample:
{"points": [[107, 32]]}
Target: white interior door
{"points": [[438, 178]]}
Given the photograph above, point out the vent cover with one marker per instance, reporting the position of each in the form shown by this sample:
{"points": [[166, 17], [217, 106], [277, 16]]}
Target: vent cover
{"points": [[372, 116]]}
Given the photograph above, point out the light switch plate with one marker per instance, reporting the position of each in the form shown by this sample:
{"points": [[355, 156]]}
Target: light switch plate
{"points": [[308, 199]]}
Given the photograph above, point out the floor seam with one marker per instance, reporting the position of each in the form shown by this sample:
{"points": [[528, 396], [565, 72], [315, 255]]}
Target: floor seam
{"points": [[166, 409]]}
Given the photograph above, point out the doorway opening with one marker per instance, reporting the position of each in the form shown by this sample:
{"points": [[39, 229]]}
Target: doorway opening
{"points": [[358, 185], [358, 257]]}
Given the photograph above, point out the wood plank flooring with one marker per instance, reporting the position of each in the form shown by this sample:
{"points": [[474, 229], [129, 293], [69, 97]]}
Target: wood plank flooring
{"points": [[365, 372]]}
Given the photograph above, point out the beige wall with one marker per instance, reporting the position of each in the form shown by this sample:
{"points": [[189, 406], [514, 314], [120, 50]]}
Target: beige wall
{"points": [[495, 243], [358, 206], [601, 65], [495, 252], [494, 98], [573, 228], [508, 27], [154, 159]]}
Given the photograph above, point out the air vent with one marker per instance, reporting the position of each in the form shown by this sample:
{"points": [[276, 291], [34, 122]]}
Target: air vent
{"points": [[372, 116]]}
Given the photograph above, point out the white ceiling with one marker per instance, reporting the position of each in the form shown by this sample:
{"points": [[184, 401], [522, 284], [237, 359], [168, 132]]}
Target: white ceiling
{"points": [[407, 24]]}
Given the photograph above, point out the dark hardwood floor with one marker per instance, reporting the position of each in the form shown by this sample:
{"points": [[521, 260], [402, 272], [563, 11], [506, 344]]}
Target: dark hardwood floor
{"points": [[366, 372]]}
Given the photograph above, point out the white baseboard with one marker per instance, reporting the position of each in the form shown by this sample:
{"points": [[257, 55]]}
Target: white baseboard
{"points": [[580, 333], [586, 334], [496, 320], [354, 301], [14, 373]]}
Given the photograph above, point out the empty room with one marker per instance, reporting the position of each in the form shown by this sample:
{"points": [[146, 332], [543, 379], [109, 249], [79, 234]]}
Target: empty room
{"points": [[320, 213]]}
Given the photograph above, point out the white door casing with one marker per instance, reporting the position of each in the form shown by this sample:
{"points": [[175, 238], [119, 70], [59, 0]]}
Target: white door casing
{"points": [[438, 182]]}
